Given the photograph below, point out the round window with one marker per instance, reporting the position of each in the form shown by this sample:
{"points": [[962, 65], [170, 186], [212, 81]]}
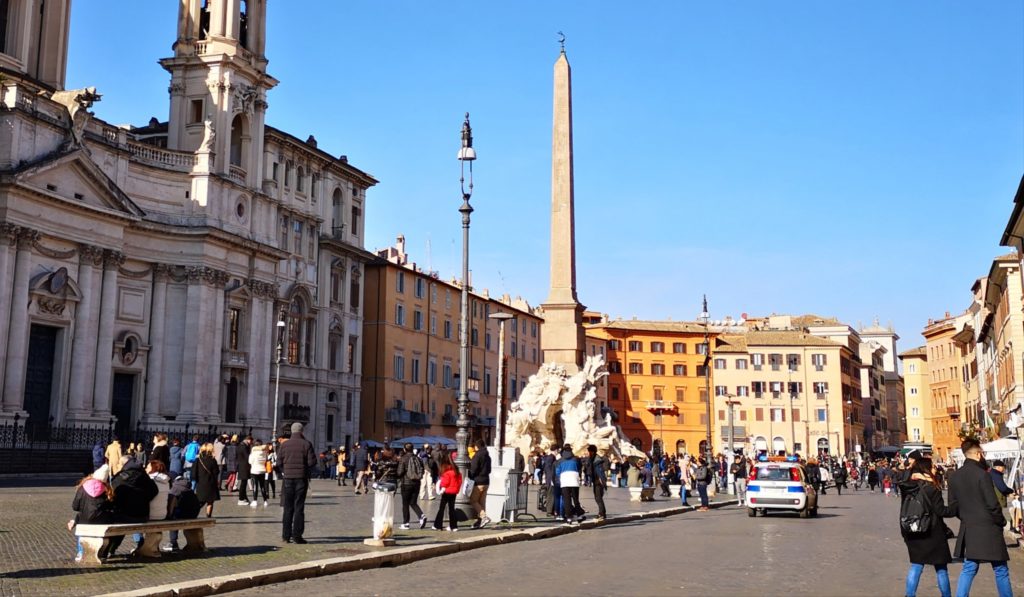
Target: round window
{"points": [[240, 210]]}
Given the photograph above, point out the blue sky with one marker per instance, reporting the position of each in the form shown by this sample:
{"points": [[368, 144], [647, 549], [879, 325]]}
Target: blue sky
{"points": [[849, 159]]}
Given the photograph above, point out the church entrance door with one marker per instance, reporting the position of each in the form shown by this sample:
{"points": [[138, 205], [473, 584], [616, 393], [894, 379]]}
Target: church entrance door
{"points": [[42, 347]]}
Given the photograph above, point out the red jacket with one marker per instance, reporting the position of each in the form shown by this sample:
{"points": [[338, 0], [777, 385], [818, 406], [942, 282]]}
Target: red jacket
{"points": [[451, 481]]}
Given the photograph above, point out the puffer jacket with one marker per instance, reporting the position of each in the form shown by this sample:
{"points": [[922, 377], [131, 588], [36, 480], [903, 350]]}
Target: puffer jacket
{"points": [[133, 490], [295, 457]]}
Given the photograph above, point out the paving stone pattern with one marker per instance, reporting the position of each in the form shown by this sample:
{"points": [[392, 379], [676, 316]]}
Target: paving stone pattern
{"points": [[37, 551]]}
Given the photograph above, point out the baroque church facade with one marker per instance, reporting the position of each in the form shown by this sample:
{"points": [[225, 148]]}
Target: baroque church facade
{"points": [[146, 272]]}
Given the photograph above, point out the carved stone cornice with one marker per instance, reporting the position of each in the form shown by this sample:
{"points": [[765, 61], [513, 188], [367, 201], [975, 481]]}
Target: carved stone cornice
{"points": [[200, 274], [135, 274], [90, 254], [27, 238], [264, 290], [113, 259], [162, 272], [8, 234], [176, 88]]}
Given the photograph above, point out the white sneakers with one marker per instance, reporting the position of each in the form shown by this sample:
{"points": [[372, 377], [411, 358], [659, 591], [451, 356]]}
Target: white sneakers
{"points": [[404, 526], [243, 503], [253, 504]]}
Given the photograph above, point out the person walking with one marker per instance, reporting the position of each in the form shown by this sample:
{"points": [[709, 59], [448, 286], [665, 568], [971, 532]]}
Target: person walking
{"points": [[550, 483], [191, 453], [568, 473], [272, 470], [258, 473], [342, 466], [450, 483], [920, 491], [739, 474], [427, 490], [360, 461], [160, 450], [701, 478], [840, 478], [98, 459], [597, 465], [231, 463], [480, 473], [177, 454], [244, 469], [972, 499], [113, 455], [206, 478], [296, 459], [411, 472], [872, 478]]}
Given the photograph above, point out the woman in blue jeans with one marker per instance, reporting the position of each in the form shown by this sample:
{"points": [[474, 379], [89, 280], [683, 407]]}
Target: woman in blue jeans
{"points": [[930, 547]]}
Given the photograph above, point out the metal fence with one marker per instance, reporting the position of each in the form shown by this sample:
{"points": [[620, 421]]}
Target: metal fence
{"points": [[29, 435], [517, 495]]}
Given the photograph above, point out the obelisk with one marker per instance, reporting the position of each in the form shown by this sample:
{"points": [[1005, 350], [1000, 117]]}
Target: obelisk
{"points": [[562, 339]]}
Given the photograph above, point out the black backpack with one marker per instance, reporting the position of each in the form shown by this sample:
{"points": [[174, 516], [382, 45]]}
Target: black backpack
{"points": [[915, 518], [414, 468]]}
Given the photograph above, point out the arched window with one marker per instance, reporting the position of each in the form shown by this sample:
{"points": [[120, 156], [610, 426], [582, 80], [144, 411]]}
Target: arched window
{"points": [[243, 24], [296, 320], [337, 221], [239, 140]]}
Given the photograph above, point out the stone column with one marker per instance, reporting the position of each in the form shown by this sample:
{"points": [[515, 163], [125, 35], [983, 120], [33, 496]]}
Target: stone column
{"points": [[17, 340], [254, 346], [83, 346], [217, 18], [155, 363], [8, 237], [216, 384], [112, 260]]}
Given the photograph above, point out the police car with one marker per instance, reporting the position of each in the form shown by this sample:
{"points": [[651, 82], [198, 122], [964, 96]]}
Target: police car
{"points": [[779, 483]]}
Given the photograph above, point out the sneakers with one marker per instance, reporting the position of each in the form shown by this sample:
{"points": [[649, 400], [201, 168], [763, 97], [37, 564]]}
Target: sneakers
{"points": [[404, 526], [436, 528], [265, 503], [484, 522], [423, 521], [455, 530], [476, 524], [170, 549], [253, 504], [243, 503]]}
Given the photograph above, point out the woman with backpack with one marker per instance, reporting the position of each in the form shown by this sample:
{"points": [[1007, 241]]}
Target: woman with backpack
{"points": [[922, 527], [410, 475]]}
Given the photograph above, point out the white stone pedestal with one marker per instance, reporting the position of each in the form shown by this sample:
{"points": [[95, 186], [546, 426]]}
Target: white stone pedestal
{"points": [[495, 503]]}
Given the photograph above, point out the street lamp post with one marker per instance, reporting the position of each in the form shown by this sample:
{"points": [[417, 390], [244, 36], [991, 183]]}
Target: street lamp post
{"points": [[466, 155], [705, 318], [731, 451], [499, 431], [277, 376]]}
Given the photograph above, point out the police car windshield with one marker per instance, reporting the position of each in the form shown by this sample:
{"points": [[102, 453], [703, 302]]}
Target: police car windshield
{"points": [[773, 473]]}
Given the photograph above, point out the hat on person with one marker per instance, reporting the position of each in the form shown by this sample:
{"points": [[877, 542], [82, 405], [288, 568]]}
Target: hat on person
{"points": [[102, 473], [296, 427], [999, 463]]}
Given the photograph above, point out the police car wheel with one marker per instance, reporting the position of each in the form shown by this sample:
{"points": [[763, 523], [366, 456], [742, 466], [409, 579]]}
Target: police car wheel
{"points": [[751, 512]]}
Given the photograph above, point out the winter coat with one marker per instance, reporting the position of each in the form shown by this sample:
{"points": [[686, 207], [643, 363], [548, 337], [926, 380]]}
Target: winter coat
{"points": [[480, 468], [231, 457], [258, 461], [218, 452], [113, 454], [162, 453], [158, 505], [242, 457], [133, 490], [973, 499], [568, 471], [930, 549], [295, 457], [548, 465], [92, 505], [360, 458], [206, 474], [1002, 491], [177, 461], [451, 481], [597, 466], [97, 455]]}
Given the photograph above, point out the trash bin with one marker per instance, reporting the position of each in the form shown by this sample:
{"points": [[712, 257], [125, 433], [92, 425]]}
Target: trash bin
{"points": [[383, 510]]}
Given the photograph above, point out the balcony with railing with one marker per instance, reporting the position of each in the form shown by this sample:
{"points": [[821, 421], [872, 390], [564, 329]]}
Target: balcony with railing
{"points": [[177, 160], [400, 416], [237, 174], [739, 432], [660, 406], [449, 419], [295, 412]]}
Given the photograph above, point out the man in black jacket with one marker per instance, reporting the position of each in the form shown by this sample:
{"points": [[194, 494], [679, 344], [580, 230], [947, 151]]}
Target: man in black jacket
{"points": [[596, 465], [295, 458], [973, 499], [244, 469], [480, 473]]}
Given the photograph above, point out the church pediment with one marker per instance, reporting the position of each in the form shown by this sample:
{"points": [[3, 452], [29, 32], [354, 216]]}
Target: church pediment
{"points": [[73, 176]]}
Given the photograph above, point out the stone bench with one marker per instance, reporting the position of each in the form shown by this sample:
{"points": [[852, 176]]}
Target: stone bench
{"points": [[673, 490], [95, 537], [641, 494]]}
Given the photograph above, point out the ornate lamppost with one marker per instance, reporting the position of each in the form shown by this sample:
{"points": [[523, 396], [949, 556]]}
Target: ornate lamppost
{"points": [[277, 378], [466, 155]]}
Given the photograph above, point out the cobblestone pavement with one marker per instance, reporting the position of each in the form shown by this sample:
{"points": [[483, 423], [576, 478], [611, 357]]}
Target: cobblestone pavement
{"points": [[37, 551], [853, 548]]}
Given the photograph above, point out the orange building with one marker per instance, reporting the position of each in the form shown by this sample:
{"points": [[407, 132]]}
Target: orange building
{"points": [[945, 363], [656, 383]]}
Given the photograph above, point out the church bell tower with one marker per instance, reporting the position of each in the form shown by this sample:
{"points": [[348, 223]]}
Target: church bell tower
{"points": [[219, 84]]}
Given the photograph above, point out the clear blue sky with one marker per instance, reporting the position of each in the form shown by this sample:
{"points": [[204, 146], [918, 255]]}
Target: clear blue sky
{"points": [[849, 159]]}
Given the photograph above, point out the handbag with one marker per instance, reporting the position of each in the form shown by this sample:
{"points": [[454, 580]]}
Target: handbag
{"points": [[467, 487]]}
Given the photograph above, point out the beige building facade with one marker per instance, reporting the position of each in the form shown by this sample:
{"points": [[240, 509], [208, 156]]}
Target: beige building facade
{"points": [[411, 351], [917, 394], [144, 269], [1000, 343]]}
